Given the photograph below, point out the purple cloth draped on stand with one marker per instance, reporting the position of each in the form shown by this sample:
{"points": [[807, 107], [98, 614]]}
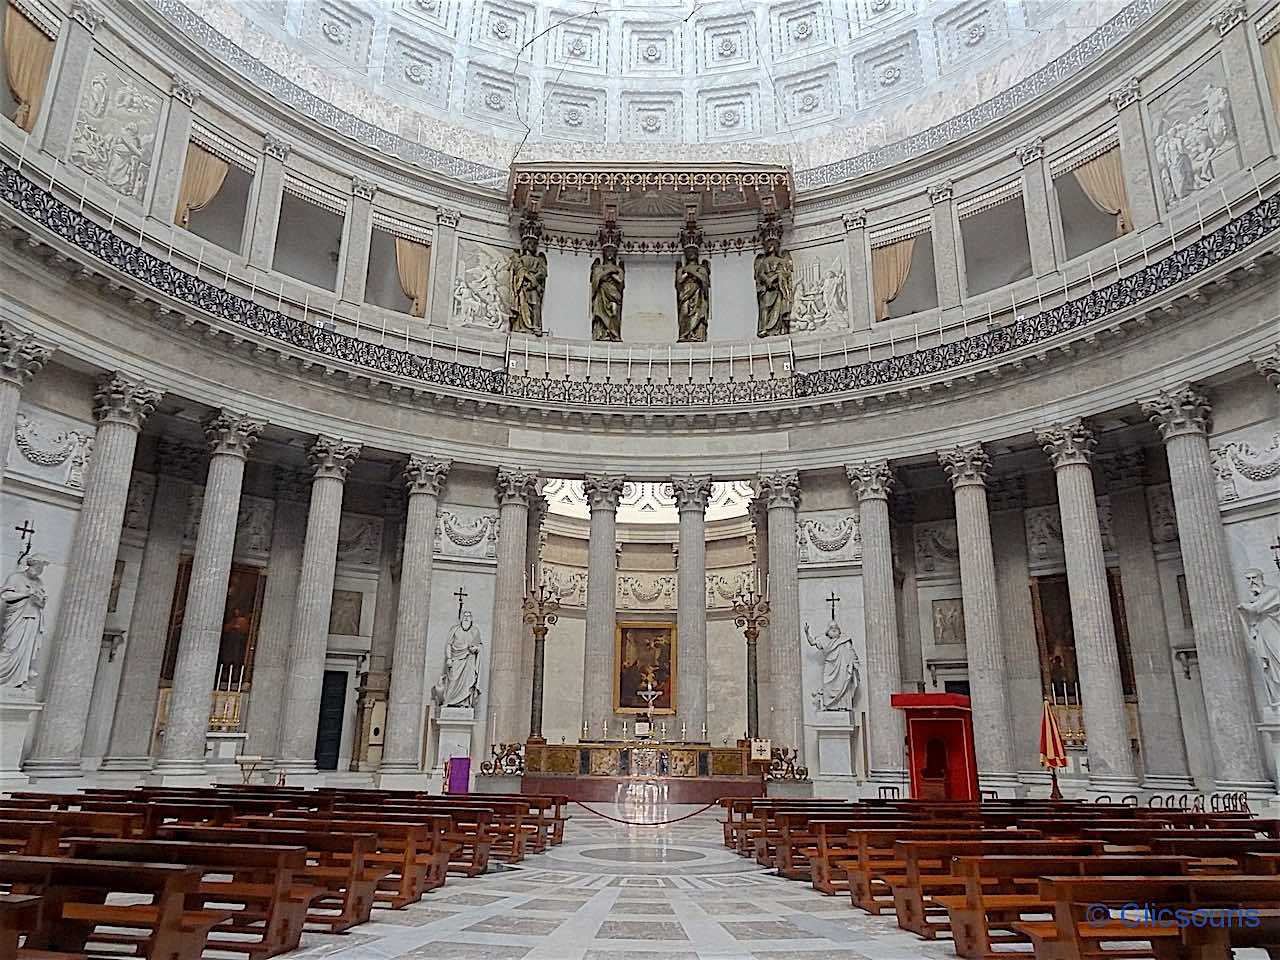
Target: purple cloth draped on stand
{"points": [[458, 775]]}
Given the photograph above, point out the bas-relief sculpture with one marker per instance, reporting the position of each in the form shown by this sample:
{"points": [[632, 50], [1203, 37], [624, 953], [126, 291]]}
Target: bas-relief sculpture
{"points": [[459, 685], [24, 598], [936, 546], [775, 287], [53, 448], [1194, 138], [608, 280], [528, 279], [1261, 617], [840, 675], [137, 508], [482, 286], [821, 301], [828, 539], [115, 128], [359, 539], [948, 622], [345, 613], [462, 534], [1240, 467]]}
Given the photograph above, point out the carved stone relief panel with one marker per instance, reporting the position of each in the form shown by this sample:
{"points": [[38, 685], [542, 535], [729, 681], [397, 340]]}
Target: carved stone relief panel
{"points": [[137, 507], [1161, 514], [466, 532], [339, 30], [821, 299], [888, 69], [948, 622], [50, 447], [253, 526], [810, 97], [653, 116], [494, 96], [1044, 533], [114, 136], [646, 591], [575, 113], [481, 285], [418, 69], [504, 26], [725, 43], [728, 113], [1246, 469], [360, 539], [725, 583], [937, 550], [831, 536], [970, 30], [568, 583], [798, 28], [1193, 133], [578, 44], [650, 48]]}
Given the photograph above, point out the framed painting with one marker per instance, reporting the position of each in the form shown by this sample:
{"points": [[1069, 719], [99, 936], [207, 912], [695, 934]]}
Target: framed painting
{"points": [[644, 659]]}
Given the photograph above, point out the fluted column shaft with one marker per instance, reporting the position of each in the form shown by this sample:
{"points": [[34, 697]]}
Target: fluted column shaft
{"points": [[691, 600], [781, 492], [122, 403], [424, 480], [330, 458], [871, 483], [271, 653], [1183, 417], [505, 720], [967, 467], [1111, 764], [231, 436], [602, 598], [129, 747]]}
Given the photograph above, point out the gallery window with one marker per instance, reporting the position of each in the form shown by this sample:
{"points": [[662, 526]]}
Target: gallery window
{"points": [[28, 55]]}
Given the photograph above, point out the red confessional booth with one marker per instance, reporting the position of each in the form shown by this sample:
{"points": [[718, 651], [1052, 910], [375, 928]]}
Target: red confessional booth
{"points": [[939, 745]]}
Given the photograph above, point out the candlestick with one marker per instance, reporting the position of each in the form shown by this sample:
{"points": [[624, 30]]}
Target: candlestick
{"points": [[704, 732]]}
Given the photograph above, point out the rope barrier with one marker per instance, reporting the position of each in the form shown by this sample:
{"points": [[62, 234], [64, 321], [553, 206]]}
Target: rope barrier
{"points": [[645, 823]]}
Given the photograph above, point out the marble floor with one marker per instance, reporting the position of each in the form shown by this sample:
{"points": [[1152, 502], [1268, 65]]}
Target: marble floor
{"points": [[615, 892]]}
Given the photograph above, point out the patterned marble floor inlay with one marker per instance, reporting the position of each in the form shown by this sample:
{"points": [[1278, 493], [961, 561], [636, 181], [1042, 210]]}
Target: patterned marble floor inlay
{"points": [[616, 892]]}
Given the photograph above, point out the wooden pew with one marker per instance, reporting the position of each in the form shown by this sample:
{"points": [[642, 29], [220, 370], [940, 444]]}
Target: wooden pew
{"points": [[36, 838], [258, 881], [73, 894], [471, 831], [19, 913], [337, 866], [84, 823]]}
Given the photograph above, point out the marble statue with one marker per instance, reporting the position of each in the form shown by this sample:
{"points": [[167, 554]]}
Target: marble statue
{"points": [[1261, 616], [840, 676], [608, 278], [24, 597], [775, 288], [693, 296], [528, 281], [459, 686]]}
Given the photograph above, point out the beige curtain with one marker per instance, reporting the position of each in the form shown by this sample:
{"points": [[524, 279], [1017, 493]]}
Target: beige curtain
{"points": [[1102, 181], [1271, 66], [201, 180], [413, 260], [889, 268], [27, 56]]}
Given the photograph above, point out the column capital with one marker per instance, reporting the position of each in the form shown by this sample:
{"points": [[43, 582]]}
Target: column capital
{"points": [[21, 355], [1269, 366], [1007, 493], [448, 217], [1068, 442], [363, 188], [941, 192], [603, 492], [871, 479], [1179, 410], [124, 399], [1229, 16], [781, 489], [426, 474], [232, 434], [275, 147], [178, 459], [1031, 151], [1124, 469], [1129, 92], [515, 485], [855, 220], [86, 14], [966, 465], [331, 457], [182, 89], [691, 493], [293, 485]]}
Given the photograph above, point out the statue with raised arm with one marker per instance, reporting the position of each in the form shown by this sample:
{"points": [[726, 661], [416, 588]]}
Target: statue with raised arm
{"points": [[23, 597], [775, 285], [528, 278], [693, 284], [459, 686], [840, 676], [608, 279], [1261, 617]]}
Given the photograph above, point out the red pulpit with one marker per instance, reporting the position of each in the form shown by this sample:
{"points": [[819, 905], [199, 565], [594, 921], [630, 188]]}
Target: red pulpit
{"points": [[939, 745]]}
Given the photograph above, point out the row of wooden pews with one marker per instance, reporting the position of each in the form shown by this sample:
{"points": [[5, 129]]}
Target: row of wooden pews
{"points": [[1057, 880], [172, 872]]}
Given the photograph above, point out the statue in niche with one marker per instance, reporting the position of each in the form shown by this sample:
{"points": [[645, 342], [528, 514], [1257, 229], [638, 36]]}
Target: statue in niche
{"points": [[775, 285], [608, 278], [459, 685], [528, 278], [840, 675], [693, 284], [24, 597], [1261, 617]]}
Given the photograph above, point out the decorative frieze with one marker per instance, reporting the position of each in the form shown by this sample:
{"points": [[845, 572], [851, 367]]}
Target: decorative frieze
{"points": [[937, 548], [463, 532], [830, 538], [646, 591], [1044, 533], [1243, 470], [46, 444]]}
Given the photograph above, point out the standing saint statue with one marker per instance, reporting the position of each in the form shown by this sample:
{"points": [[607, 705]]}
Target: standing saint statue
{"points": [[528, 279], [24, 597], [840, 676], [775, 287], [693, 288], [608, 278], [1261, 617], [459, 686]]}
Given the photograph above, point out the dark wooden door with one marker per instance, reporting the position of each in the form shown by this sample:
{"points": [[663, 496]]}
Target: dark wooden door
{"points": [[333, 705]]}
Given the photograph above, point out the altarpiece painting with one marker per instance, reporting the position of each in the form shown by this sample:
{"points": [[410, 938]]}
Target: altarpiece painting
{"points": [[1051, 603], [644, 654], [240, 617]]}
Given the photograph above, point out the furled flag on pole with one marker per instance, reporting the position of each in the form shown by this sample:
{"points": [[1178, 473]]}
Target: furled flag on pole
{"points": [[1053, 753]]}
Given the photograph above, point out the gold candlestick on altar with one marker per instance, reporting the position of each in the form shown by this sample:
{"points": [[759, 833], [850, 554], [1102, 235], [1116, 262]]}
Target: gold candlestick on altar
{"points": [[751, 612]]}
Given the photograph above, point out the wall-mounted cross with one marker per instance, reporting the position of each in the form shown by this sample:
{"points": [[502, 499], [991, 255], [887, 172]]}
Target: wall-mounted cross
{"points": [[25, 533], [461, 595], [833, 600]]}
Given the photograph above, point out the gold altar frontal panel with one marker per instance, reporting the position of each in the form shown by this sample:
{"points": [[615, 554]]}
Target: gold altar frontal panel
{"points": [[637, 759]]}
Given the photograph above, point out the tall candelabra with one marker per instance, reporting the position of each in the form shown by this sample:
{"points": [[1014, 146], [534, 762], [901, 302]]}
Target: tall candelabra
{"points": [[751, 612], [541, 609]]}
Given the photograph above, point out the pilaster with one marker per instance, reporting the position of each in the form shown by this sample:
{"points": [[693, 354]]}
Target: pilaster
{"points": [[1138, 182], [444, 255], [265, 213], [858, 269], [355, 270], [946, 249], [1035, 207], [172, 156], [67, 76]]}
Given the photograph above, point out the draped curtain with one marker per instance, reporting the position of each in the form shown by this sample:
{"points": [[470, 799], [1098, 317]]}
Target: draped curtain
{"points": [[412, 262], [889, 268], [202, 178], [1271, 66], [1102, 181], [28, 54]]}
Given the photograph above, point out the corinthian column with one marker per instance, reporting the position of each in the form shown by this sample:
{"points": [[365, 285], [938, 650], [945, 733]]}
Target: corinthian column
{"points": [[21, 358], [871, 482], [230, 436], [424, 479], [967, 467], [129, 748], [504, 717], [120, 405], [1068, 445], [1184, 418], [781, 492], [330, 458], [1269, 366], [602, 598], [691, 599], [1164, 752]]}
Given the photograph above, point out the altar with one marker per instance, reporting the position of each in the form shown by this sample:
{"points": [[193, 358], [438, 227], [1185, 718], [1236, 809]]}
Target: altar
{"points": [[607, 770]]}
